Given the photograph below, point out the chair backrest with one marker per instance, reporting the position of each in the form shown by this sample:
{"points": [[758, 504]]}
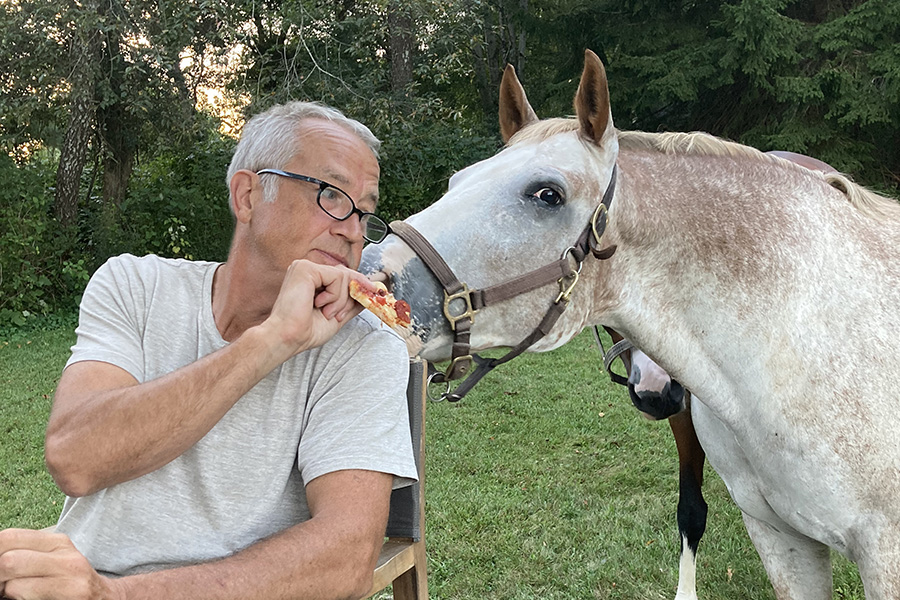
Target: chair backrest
{"points": [[402, 561], [407, 503]]}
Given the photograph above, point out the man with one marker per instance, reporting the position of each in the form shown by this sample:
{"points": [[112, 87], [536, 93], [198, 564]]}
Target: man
{"points": [[232, 431]]}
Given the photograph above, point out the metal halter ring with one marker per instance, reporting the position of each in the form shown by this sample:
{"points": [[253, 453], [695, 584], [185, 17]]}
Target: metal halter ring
{"points": [[565, 288], [465, 294], [431, 381]]}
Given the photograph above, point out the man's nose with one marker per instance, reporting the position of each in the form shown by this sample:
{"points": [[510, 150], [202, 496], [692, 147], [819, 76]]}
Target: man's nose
{"points": [[350, 228]]}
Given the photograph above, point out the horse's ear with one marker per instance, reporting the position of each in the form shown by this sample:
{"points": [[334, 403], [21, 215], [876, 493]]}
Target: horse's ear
{"points": [[515, 111], [592, 99]]}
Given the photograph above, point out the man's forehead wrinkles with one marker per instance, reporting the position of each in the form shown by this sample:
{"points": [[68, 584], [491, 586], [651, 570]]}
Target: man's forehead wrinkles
{"points": [[334, 176]]}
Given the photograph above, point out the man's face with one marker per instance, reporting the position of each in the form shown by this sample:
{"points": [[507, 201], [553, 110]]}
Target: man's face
{"points": [[293, 226]]}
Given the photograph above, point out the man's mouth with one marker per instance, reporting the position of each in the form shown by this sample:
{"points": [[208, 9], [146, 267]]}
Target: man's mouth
{"points": [[331, 259]]}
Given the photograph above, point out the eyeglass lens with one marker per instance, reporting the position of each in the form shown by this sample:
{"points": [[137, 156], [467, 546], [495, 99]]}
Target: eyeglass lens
{"points": [[339, 205]]}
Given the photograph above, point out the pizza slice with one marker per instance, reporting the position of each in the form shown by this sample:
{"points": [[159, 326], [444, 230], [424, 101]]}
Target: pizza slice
{"points": [[393, 312]]}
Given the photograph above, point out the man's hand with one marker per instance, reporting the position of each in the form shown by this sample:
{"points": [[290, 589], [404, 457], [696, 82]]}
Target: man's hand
{"points": [[41, 565], [313, 304]]}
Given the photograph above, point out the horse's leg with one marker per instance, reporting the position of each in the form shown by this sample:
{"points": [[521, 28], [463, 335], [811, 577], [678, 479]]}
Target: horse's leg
{"points": [[798, 567], [691, 506], [879, 569]]}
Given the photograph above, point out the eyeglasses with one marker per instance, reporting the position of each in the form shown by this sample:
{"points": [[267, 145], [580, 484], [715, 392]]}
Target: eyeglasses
{"points": [[338, 205]]}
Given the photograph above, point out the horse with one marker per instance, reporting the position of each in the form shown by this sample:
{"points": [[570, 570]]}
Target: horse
{"points": [[653, 392], [737, 272]]}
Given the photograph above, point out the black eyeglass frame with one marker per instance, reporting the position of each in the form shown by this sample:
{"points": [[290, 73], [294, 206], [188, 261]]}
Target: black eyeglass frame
{"points": [[324, 185]]}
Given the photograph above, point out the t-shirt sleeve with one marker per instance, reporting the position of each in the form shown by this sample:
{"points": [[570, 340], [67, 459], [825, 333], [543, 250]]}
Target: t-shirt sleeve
{"points": [[109, 327], [358, 418]]}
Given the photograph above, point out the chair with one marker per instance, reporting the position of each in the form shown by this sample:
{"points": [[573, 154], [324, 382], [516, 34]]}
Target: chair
{"points": [[402, 558]]}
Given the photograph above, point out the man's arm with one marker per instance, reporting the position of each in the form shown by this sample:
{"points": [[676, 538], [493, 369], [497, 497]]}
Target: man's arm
{"points": [[331, 556], [105, 428]]}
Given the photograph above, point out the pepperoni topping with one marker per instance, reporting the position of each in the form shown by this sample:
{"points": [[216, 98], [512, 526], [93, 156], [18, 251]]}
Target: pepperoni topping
{"points": [[402, 309]]}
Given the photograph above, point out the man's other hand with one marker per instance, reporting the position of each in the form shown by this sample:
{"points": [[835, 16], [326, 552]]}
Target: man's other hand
{"points": [[42, 565]]}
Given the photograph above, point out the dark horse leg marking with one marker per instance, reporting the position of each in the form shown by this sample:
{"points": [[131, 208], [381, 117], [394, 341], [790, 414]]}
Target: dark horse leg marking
{"points": [[692, 508]]}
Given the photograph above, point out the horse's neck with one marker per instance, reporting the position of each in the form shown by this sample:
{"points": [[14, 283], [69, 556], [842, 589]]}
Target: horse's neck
{"points": [[726, 269]]}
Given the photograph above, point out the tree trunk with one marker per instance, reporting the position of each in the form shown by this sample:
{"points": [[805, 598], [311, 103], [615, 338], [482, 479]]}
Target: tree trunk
{"points": [[84, 54], [402, 44], [520, 54], [118, 130]]}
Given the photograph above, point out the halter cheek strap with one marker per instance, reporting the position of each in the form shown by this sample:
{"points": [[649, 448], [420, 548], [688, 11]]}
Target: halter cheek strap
{"points": [[462, 303]]}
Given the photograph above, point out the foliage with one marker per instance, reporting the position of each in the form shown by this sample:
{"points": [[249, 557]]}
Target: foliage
{"points": [[817, 78], [39, 272], [178, 206], [812, 77], [32, 102]]}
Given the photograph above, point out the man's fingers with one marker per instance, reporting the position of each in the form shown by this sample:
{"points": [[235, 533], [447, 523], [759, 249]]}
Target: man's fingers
{"points": [[28, 587], [24, 563], [43, 541], [47, 587]]}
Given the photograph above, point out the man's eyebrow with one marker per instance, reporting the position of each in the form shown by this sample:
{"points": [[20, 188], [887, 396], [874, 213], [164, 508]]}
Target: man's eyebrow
{"points": [[373, 198], [336, 178]]}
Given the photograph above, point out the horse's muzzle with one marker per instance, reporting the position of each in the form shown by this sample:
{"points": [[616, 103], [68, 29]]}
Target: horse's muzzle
{"points": [[658, 404], [409, 279]]}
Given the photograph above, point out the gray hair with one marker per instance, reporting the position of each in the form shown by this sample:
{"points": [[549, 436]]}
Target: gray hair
{"points": [[269, 139]]}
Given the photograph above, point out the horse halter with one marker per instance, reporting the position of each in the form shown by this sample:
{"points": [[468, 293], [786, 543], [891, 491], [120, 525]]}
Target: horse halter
{"points": [[609, 356], [458, 295]]}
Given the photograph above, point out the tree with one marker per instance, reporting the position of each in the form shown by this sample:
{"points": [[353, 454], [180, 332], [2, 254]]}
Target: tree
{"points": [[401, 46], [84, 47]]}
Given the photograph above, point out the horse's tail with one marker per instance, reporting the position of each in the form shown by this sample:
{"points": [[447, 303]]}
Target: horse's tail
{"points": [[864, 200]]}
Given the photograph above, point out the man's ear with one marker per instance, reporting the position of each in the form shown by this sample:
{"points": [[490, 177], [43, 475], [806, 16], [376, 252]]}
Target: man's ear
{"points": [[242, 185]]}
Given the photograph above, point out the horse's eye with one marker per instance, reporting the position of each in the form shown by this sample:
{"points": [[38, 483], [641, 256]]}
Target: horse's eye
{"points": [[549, 196]]}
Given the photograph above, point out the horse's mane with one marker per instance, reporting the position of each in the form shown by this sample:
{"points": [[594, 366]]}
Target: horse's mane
{"points": [[704, 144]]}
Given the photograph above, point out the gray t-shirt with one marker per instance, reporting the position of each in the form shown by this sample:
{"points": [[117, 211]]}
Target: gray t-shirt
{"points": [[339, 406]]}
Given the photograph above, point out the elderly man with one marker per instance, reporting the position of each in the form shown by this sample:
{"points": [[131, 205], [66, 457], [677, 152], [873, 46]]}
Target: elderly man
{"points": [[233, 430]]}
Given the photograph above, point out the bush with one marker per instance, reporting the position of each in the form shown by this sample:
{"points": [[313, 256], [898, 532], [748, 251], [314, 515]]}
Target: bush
{"points": [[177, 205], [41, 270]]}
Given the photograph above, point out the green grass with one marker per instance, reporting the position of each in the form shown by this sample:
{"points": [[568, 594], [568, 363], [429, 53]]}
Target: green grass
{"points": [[30, 364], [543, 483]]}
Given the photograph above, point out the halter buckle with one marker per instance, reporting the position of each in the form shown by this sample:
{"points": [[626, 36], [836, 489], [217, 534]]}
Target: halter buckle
{"points": [[601, 208], [466, 295]]}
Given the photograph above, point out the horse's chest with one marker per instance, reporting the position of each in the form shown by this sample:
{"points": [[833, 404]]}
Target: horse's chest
{"points": [[773, 482]]}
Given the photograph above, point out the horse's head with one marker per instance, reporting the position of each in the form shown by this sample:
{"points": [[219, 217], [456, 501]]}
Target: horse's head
{"points": [[651, 388], [507, 216]]}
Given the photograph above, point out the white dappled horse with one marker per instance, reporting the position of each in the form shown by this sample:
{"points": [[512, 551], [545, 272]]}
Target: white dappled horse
{"points": [[767, 289]]}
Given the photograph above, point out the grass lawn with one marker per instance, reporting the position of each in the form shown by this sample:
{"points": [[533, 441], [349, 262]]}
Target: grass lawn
{"points": [[543, 483], [30, 365]]}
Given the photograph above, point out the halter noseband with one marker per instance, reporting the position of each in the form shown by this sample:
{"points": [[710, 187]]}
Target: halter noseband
{"points": [[461, 303]]}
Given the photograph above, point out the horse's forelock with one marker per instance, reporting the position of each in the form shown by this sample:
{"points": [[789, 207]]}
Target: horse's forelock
{"points": [[543, 130]]}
